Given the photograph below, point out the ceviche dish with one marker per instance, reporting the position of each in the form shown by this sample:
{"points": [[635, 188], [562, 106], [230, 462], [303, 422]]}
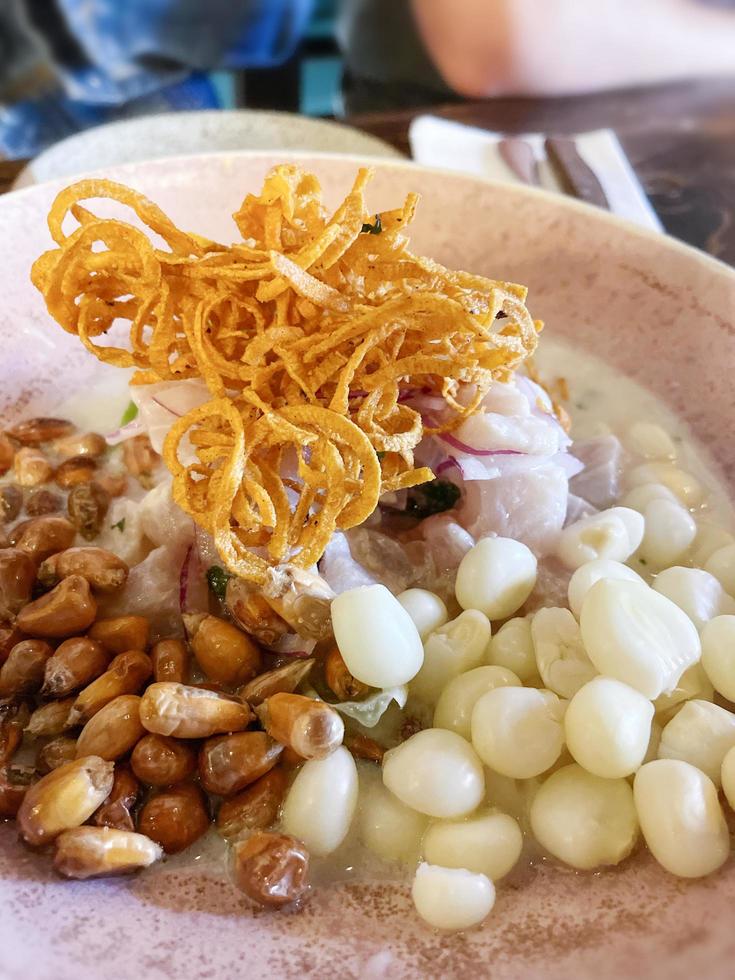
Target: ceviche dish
{"points": [[371, 577]]}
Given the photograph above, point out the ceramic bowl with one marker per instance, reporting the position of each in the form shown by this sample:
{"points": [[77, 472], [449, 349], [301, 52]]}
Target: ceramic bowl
{"points": [[651, 307]]}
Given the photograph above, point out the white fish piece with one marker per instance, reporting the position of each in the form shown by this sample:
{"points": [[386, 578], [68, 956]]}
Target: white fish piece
{"points": [[599, 481]]}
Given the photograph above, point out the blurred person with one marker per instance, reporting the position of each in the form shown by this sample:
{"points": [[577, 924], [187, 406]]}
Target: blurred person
{"points": [[420, 52], [66, 65]]}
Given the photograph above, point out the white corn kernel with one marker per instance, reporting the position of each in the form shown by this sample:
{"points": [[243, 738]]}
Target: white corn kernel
{"points": [[376, 636], [637, 636], [670, 531], [608, 727], [512, 648], [718, 654], [650, 440], [615, 534], [449, 651], [653, 743], [686, 487], [592, 571], [451, 898], [435, 772], [426, 609], [693, 683], [696, 592], [517, 731], [488, 844], [727, 774], [700, 733], [496, 576], [641, 496], [583, 820], [454, 707], [386, 826], [721, 564], [681, 818], [710, 538], [321, 802], [560, 655]]}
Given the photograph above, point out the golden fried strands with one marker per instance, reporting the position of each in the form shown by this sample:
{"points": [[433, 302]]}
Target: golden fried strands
{"points": [[313, 337]]}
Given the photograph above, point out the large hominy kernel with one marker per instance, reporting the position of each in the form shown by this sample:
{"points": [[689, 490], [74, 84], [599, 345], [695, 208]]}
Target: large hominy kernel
{"points": [[386, 826], [710, 538], [637, 636], [376, 636], [488, 844], [512, 648], [321, 802], [561, 658], [670, 531], [727, 774], [608, 727], [640, 497], [425, 608], [496, 576], [696, 592], [721, 564], [435, 772], [700, 733], [693, 683], [650, 440], [681, 818], [683, 485], [449, 651], [591, 572], [584, 820], [614, 534], [451, 898], [454, 707], [517, 731], [718, 654]]}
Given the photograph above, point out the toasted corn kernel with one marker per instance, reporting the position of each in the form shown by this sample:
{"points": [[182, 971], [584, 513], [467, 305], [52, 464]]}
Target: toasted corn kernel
{"points": [[175, 817], [272, 869], [50, 719], [290, 759], [63, 799], [87, 505], [229, 763], [126, 674], [15, 781], [80, 444], [31, 467], [76, 662], [7, 453], [9, 636], [117, 809], [40, 502], [67, 609], [161, 761], [170, 661], [17, 574], [363, 747], [309, 727], [55, 753], [22, 672], [97, 852], [225, 653], [191, 712], [140, 458], [282, 680], [104, 571], [255, 808], [14, 716], [34, 431], [121, 633], [11, 502], [72, 472], [113, 730], [43, 536], [253, 614], [301, 598], [340, 680]]}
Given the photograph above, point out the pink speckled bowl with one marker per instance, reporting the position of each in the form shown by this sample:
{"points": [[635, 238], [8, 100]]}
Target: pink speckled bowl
{"points": [[661, 312]]}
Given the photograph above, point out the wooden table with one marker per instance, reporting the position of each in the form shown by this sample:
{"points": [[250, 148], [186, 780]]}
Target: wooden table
{"points": [[679, 138]]}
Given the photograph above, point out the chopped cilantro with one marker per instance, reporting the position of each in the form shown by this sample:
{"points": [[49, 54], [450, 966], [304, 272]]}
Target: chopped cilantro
{"points": [[380, 454], [368, 229], [218, 578], [432, 498], [120, 525], [129, 414]]}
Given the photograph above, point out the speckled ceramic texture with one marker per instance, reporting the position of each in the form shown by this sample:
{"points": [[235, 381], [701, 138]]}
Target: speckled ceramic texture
{"points": [[653, 308]]}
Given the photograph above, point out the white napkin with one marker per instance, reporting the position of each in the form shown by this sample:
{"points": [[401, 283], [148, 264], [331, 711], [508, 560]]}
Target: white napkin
{"points": [[439, 142]]}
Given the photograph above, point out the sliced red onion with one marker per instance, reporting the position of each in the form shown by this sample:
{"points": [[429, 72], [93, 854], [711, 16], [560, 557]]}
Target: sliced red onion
{"points": [[133, 428], [463, 447], [293, 645], [193, 587]]}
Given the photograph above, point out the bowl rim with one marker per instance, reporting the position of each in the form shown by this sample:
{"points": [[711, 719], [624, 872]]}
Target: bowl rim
{"points": [[662, 240]]}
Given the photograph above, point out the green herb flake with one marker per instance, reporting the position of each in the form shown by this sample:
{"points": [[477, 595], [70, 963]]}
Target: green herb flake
{"points": [[120, 525], [380, 454], [129, 414], [368, 229], [218, 578], [432, 498]]}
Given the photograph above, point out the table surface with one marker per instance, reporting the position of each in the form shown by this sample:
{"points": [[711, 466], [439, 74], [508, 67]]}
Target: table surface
{"points": [[679, 138]]}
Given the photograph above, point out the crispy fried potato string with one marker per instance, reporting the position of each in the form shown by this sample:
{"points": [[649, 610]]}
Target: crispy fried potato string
{"points": [[317, 339]]}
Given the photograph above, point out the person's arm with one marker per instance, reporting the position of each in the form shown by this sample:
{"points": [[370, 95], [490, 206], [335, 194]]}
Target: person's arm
{"points": [[559, 47]]}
